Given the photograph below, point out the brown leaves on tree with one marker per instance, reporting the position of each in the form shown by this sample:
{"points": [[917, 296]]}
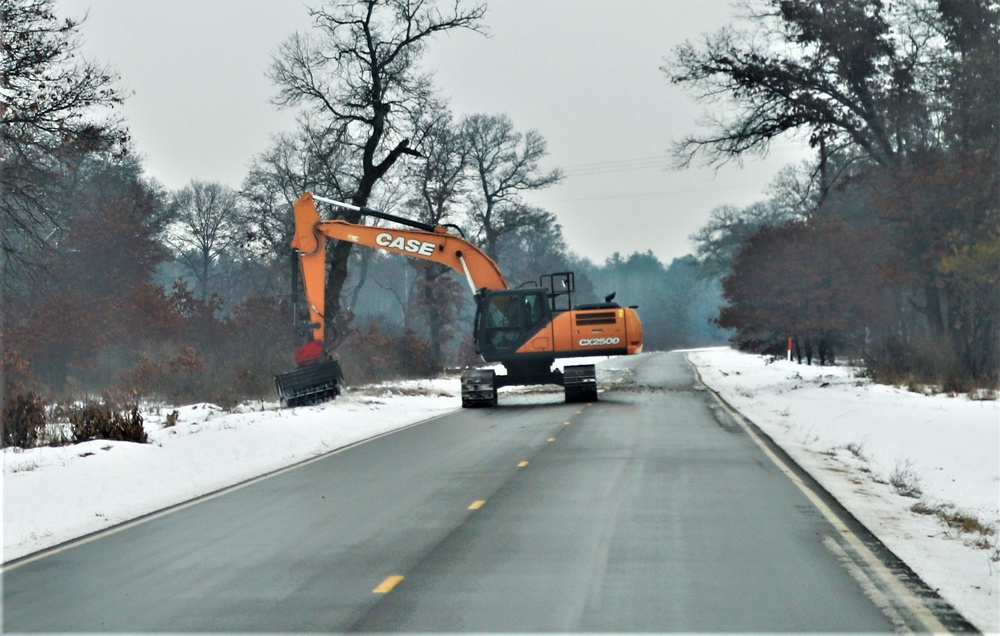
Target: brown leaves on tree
{"points": [[812, 281]]}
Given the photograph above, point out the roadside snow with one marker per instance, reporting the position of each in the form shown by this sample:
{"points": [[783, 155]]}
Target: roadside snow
{"points": [[853, 437], [858, 439], [52, 495]]}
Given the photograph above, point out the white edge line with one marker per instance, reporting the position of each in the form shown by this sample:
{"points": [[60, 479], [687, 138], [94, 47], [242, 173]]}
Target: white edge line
{"points": [[899, 590]]}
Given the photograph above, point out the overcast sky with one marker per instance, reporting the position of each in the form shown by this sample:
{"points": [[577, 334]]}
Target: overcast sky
{"points": [[584, 73]]}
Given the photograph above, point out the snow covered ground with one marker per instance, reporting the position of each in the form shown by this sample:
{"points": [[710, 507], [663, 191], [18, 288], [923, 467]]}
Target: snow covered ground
{"points": [[855, 438], [52, 495]]}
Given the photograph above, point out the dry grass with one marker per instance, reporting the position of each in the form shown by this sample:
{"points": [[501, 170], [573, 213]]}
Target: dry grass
{"points": [[905, 481], [982, 535]]}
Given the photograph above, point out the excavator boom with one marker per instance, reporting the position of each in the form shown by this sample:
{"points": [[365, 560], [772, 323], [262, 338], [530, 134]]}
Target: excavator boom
{"points": [[435, 245]]}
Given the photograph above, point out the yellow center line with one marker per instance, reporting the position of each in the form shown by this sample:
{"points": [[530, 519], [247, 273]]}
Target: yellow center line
{"points": [[386, 586], [552, 439], [476, 505], [579, 412], [522, 464], [567, 423]]}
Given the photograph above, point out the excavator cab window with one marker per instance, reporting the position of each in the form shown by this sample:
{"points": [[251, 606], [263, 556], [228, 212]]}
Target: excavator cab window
{"points": [[508, 318], [534, 308], [501, 312]]}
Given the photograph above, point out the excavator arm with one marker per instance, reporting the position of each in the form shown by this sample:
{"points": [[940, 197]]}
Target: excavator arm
{"points": [[435, 244]]}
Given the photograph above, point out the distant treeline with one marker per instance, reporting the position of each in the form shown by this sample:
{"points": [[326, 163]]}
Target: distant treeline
{"points": [[123, 306]]}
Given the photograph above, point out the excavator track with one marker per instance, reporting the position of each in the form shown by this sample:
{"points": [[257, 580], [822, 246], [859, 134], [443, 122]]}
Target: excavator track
{"points": [[580, 383], [479, 388]]}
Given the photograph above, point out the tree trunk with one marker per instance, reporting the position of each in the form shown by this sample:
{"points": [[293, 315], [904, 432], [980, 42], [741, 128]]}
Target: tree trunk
{"points": [[435, 321], [335, 281], [204, 274], [338, 258], [932, 309]]}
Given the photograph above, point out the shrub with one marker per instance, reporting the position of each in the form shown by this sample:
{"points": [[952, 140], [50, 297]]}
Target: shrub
{"points": [[905, 481], [103, 421], [918, 363], [172, 418], [369, 355], [23, 419]]}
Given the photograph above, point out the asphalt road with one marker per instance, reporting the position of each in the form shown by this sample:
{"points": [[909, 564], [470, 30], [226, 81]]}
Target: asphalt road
{"points": [[650, 510]]}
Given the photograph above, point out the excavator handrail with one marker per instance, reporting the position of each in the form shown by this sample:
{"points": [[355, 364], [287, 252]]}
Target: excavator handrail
{"points": [[376, 213]]}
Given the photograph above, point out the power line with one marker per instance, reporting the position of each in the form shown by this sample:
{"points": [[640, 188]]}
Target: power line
{"points": [[622, 165], [617, 161], [648, 194], [639, 163]]}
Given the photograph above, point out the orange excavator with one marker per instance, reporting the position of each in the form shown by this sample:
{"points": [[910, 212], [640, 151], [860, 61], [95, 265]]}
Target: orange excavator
{"points": [[525, 329]]}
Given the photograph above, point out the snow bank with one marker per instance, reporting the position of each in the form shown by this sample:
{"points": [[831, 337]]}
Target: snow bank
{"points": [[52, 495]]}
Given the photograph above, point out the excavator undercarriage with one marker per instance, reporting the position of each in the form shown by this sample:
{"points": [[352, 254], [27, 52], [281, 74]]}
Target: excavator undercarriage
{"points": [[480, 386]]}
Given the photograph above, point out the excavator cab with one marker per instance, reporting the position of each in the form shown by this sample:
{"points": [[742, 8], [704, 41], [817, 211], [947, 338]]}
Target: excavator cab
{"points": [[519, 321], [506, 319]]}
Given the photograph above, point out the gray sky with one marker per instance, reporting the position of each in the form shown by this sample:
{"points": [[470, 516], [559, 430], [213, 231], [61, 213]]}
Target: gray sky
{"points": [[584, 73]]}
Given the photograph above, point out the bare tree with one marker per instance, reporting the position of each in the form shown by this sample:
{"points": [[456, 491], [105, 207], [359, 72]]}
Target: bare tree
{"points": [[206, 226], [829, 68], [442, 178], [440, 181], [535, 248], [306, 160], [48, 100], [357, 80], [717, 243], [504, 164]]}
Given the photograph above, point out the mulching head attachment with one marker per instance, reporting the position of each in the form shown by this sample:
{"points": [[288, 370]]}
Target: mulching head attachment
{"points": [[311, 384]]}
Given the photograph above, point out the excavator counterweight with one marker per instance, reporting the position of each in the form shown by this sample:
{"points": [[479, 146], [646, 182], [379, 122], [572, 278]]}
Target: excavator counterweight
{"points": [[525, 329]]}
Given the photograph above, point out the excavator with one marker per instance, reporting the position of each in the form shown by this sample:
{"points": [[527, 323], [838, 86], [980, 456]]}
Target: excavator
{"points": [[525, 329]]}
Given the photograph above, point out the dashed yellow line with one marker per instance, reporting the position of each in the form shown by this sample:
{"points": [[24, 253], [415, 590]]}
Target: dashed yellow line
{"points": [[386, 586], [552, 439], [567, 423], [476, 505], [522, 464]]}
